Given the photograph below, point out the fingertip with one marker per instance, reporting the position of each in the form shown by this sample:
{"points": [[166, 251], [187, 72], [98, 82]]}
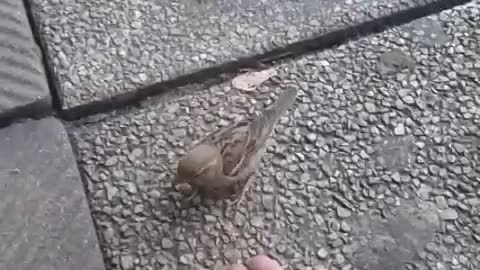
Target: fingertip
{"points": [[263, 262]]}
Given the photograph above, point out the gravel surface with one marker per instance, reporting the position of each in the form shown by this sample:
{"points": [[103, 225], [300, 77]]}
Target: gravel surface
{"points": [[103, 48], [377, 166]]}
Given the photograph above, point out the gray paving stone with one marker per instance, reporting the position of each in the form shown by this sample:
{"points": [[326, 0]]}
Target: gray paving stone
{"points": [[357, 162], [45, 221], [101, 49], [23, 85]]}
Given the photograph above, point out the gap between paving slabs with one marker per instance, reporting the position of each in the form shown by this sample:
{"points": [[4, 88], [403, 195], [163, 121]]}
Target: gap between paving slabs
{"points": [[160, 27], [45, 221], [323, 41], [23, 89], [53, 84], [377, 166]]}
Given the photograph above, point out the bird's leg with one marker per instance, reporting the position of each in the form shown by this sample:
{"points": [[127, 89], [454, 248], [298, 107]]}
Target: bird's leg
{"points": [[243, 190], [248, 175], [195, 191], [187, 201]]}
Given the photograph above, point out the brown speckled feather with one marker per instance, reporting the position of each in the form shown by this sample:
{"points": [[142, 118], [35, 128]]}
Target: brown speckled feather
{"points": [[243, 141]]}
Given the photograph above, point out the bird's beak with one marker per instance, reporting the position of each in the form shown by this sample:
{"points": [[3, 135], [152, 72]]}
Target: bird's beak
{"points": [[181, 185], [184, 188]]}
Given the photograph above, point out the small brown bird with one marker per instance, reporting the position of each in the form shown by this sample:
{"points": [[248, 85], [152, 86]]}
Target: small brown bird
{"points": [[231, 155]]}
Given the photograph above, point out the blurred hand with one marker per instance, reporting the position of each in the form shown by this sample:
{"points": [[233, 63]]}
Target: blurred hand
{"points": [[260, 262]]}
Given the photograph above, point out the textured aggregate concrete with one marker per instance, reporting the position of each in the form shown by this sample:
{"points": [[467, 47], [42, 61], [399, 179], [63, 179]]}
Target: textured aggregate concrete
{"points": [[45, 221], [376, 168], [103, 48], [23, 85]]}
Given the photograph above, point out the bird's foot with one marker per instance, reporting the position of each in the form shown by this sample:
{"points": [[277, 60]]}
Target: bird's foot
{"points": [[241, 194], [190, 197], [195, 192], [236, 200]]}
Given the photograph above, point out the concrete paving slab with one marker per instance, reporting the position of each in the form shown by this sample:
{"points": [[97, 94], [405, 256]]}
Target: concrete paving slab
{"points": [[45, 221], [376, 167], [23, 85], [103, 49]]}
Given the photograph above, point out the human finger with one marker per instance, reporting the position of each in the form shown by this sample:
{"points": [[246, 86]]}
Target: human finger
{"points": [[262, 262]]}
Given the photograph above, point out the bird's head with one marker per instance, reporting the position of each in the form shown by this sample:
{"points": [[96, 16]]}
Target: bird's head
{"points": [[203, 160]]}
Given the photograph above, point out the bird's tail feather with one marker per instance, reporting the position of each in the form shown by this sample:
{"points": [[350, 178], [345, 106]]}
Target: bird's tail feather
{"points": [[263, 125], [283, 103]]}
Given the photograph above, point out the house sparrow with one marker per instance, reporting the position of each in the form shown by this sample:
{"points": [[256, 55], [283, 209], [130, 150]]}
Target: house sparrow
{"points": [[231, 155]]}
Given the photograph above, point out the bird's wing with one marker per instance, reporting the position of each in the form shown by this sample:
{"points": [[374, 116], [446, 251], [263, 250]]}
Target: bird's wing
{"points": [[241, 142], [231, 142], [250, 136], [233, 147], [261, 128]]}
